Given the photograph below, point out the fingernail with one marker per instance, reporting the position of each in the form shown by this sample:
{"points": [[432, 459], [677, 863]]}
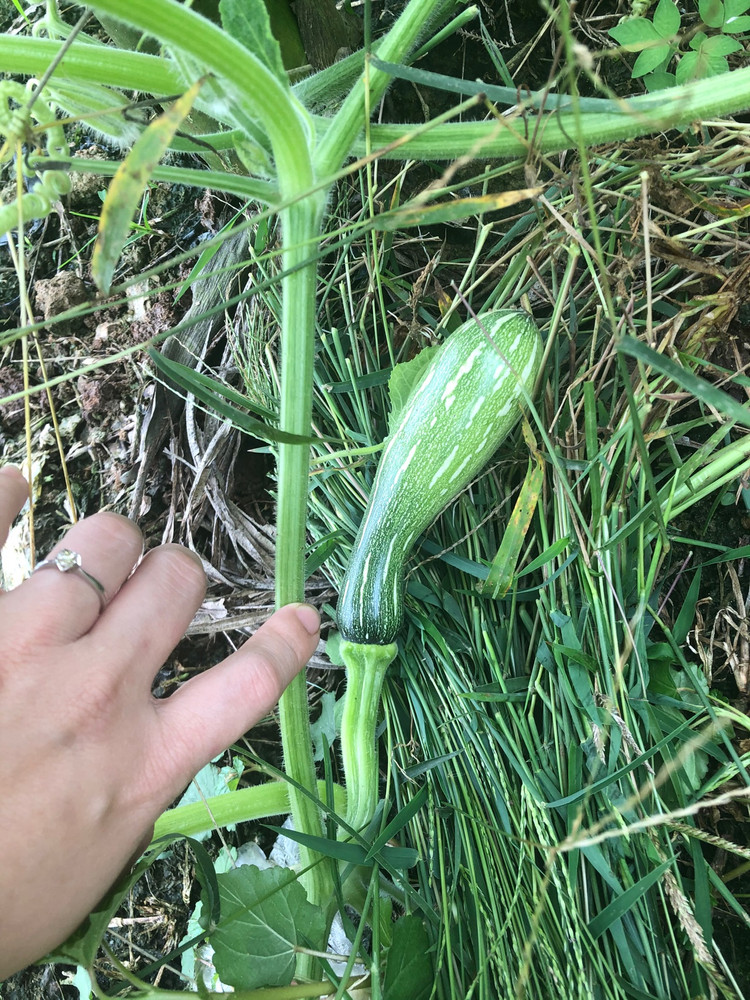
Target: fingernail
{"points": [[308, 617], [16, 470]]}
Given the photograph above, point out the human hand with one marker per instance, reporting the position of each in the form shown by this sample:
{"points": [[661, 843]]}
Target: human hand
{"points": [[88, 758]]}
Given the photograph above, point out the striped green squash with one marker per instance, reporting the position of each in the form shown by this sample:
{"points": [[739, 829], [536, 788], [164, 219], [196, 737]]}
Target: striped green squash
{"points": [[471, 394]]}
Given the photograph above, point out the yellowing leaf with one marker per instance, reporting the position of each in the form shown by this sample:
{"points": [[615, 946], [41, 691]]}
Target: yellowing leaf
{"points": [[127, 187], [503, 567], [415, 213]]}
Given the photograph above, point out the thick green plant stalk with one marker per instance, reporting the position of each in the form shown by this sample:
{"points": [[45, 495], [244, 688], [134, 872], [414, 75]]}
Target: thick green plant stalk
{"points": [[301, 226], [240, 806], [366, 667], [253, 92]]}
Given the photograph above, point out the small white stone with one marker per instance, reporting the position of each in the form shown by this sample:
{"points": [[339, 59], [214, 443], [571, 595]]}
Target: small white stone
{"points": [[66, 560]]}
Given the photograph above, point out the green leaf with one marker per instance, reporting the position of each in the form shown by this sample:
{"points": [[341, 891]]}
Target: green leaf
{"points": [[209, 782], [703, 390], [432, 762], [712, 12], [737, 25], [396, 858], [212, 394], [651, 59], [577, 656], [635, 34], [687, 68], [549, 555], [732, 8], [404, 379], [686, 617], [189, 379], [418, 212], [720, 45], [328, 722], [247, 21], [667, 19], [622, 904], [128, 185], [503, 569], [333, 648], [399, 822], [716, 65], [660, 79], [610, 779], [408, 971], [266, 916], [319, 552]]}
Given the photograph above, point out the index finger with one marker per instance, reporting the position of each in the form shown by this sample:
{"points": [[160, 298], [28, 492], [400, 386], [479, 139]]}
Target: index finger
{"points": [[14, 492]]}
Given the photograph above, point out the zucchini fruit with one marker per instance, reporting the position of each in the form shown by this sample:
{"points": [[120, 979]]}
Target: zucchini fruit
{"points": [[471, 394]]}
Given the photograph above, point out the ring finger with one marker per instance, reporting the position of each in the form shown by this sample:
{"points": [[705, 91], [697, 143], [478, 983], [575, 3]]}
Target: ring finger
{"points": [[55, 607]]}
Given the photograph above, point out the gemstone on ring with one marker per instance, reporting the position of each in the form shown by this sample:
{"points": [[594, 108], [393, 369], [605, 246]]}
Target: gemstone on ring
{"points": [[66, 561]]}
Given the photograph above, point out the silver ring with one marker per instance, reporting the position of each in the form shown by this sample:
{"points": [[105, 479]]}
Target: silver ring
{"points": [[68, 561]]}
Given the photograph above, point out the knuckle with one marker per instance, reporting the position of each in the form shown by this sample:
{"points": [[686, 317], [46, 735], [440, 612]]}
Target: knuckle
{"points": [[267, 683], [182, 573]]}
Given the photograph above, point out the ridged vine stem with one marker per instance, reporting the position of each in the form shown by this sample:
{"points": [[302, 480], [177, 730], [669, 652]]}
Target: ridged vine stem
{"points": [[301, 227], [344, 127]]}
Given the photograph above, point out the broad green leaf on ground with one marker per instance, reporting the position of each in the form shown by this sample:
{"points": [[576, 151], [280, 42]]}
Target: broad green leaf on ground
{"points": [[729, 17], [405, 377], [408, 971], [635, 34], [708, 57], [712, 12], [737, 25], [265, 916], [248, 22], [718, 45], [650, 60], [127, 186]]}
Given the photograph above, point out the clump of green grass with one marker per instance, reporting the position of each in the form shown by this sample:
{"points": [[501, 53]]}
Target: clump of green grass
{"points": [[566, 735]]}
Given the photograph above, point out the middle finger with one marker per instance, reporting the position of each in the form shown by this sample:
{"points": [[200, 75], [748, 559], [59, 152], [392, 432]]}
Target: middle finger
{"points": [[151, 613]]}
